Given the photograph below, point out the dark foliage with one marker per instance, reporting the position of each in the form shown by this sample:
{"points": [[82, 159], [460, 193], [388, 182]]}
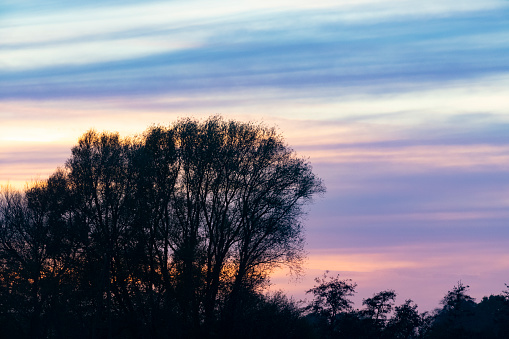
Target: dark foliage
{"points": [[459, 317], [330, 300], [462, 317], [173, 233]]}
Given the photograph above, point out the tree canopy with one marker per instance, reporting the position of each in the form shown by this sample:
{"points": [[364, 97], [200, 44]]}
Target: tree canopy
{"points": [[173, 228]]}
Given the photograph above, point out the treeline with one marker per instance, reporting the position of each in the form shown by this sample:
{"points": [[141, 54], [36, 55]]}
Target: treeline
{"points": [[169, 234], [330, 314], [174, 233]]}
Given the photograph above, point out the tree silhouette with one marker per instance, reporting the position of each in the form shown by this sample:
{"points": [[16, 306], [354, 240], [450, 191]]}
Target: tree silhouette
{"points": [[379, 306], [457, 315], [22, 254], [330, 298], [173, 230], [405, 322]]}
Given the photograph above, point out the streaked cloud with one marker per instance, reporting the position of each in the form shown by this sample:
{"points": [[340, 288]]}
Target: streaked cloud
{"points": [[421, 158], [405, 268], [108, 51]]}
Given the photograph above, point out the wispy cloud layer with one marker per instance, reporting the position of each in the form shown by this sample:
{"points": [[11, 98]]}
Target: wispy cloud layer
{"points": [[173, 48]]}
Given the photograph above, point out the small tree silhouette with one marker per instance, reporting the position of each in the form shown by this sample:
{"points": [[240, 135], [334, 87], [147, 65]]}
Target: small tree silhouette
{"points": [[330, 298]]}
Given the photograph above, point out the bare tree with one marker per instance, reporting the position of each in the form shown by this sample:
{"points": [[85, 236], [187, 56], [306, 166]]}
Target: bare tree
{"points": [[184, 222], [237, 208]]}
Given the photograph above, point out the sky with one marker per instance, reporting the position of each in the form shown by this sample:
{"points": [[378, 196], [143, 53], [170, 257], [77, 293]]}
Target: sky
{"points": [[401, 106]]}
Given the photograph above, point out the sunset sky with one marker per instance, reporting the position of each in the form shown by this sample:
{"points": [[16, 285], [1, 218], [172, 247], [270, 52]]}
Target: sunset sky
{"points": [[401, 106]]}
